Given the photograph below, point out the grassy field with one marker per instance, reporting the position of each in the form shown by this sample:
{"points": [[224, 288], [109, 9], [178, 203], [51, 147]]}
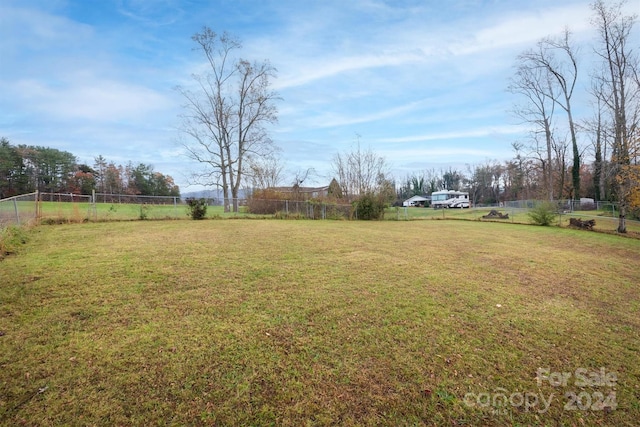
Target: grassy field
{"points": [[77, 212], [267, 322]]}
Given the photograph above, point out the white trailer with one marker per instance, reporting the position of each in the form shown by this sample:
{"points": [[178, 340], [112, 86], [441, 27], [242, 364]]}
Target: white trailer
{"points": [[449, 199]]}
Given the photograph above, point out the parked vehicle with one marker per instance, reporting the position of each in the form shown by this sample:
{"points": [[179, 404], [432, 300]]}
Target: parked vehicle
{"points": [[449, 199]]}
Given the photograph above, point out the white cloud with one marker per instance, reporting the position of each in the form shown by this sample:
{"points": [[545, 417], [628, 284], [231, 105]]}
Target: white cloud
{"points": [[98, 100], [525, 29], [331, 66], [332, 119]]}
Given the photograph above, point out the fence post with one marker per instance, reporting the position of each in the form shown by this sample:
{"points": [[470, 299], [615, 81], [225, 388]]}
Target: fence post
{"points": [[175, 207], [559, 217], [37, 206], [15, 208]]}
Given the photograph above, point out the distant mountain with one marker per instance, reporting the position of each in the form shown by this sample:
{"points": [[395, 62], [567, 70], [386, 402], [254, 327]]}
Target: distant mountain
{"points": [[215, 195]]}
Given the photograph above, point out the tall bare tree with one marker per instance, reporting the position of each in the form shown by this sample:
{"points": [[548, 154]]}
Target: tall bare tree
{"points": [[226, 114], [557, 58], [597, 128], [535, 86], [264, 172], [621, 94]]}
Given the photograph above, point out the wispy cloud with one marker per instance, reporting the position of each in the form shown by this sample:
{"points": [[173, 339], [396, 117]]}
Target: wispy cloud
{"points": [[332, 120], [436, 153], [524, 29], [97, 100], [26, 29], [405, 45], [151, 12], [469, 133], [332, 66]]}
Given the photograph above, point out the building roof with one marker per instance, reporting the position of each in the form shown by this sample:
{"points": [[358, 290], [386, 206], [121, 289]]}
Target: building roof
{"points": [[295, 189], [417, 199]]}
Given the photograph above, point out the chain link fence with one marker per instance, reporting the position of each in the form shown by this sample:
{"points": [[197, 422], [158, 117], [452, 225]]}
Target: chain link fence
{"points": [[50, 208], [19, 210], [45, 208], [298, 209], [605, 214]]}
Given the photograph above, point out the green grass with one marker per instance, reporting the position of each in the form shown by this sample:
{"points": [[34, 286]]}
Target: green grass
{"points": [[79, 212], [268, 322]]}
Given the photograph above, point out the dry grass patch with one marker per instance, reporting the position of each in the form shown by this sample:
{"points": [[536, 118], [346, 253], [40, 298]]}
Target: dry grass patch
{"points": [[263, 322]]}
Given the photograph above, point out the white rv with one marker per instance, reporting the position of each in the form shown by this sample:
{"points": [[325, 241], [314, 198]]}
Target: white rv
{"points": [[449, 199]]}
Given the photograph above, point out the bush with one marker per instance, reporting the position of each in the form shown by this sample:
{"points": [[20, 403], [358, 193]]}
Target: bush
{"points": [[144, 212], [369, 207], [197, 208], [543, 213], [266, 202]]}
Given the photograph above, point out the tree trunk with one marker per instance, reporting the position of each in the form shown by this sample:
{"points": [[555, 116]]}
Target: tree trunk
{"points": [[597, 170], [575, 173], [549, 172], [622, 221]]}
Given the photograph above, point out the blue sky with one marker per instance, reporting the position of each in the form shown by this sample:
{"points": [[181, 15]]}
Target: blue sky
{"points": [[422, 83]]}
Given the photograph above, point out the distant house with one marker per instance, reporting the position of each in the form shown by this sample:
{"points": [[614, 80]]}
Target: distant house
{"points": [[297, 192], [415, 201]]}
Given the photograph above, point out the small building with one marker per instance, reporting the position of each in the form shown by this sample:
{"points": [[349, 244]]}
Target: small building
{"points": [[415, 201], [303, 193]]}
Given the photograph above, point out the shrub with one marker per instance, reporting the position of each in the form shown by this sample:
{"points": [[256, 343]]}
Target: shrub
{"points": [[197, 208], [266, 202], [543, 213], [369, 207], [144, 212]]}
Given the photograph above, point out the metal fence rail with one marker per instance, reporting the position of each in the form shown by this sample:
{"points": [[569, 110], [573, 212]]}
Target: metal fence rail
{"points": [[19, 210], [301, 208], [66, 207], [566, 206]]}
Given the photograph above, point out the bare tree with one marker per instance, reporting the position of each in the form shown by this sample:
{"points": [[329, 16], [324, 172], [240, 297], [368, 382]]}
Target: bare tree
{"points": [[450, 179], [621, 94], [534, 85], [226, 113], [560, 147], [300, 176], [597, 129], [264, 172], [483, 182], [515, 176], [359, 171], [563, 73]]}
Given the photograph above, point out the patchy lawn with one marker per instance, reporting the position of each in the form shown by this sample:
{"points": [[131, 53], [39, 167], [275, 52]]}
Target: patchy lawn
{"points": [[266, 322]]}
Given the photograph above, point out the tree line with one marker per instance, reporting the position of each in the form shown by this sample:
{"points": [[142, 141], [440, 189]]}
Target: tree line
{"points": [[25, 169]]}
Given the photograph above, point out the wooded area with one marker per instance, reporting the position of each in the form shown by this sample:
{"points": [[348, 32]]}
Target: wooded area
{"points": [[25, 169]]}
